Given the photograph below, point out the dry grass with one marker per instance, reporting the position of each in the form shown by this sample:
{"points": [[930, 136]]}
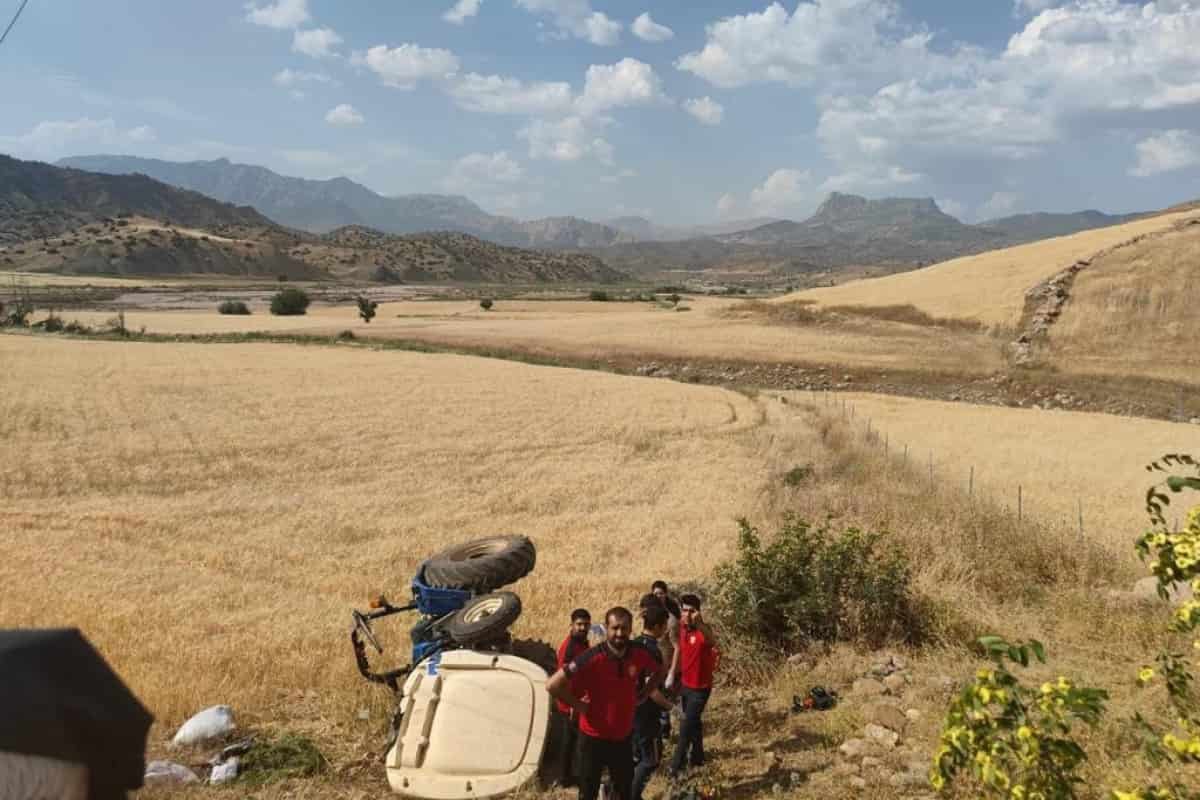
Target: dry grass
{"points": [[209, 513], [41, 279], [1135, 312], [714, 328], [1059, 458], [989, 287]]}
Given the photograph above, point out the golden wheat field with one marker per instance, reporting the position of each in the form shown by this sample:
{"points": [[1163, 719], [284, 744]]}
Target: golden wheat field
{"points": [[208, 514], [712, 328], [1064, 462], [1135, 311], [989, 287]]}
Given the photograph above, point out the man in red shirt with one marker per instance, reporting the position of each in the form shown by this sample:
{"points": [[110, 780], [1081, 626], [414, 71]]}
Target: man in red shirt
{"points": [[698, 660], [571, 648], [609, 676]]}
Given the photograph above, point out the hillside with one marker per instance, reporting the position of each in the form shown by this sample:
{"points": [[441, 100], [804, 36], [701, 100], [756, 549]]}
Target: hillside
{"points": [[990, 287], [322, 206], [74, 222], [38, 199], [1030, 227]]}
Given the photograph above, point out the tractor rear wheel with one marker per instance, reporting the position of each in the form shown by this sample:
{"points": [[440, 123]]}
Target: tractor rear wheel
{"points": [[483, 618], [483, 565], [538, 652]]}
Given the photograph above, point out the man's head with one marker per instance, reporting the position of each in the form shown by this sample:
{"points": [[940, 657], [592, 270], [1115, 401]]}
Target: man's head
{"points": [[581, 620], [650, 601], [689, 610], [619, 624], [659, 589], [654, 620]]}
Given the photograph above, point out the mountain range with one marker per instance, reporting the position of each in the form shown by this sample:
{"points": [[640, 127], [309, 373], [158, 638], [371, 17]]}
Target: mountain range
{"points": [[846, 230], [56, 219]]}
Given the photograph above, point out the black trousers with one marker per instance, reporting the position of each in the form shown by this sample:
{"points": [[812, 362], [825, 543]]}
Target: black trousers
{"points": [[647, 747], [597, 754], [691, 731]]}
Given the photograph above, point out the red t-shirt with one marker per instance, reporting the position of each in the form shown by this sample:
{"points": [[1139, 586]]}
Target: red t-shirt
{"points": [[698, 657], [568, 651], [611, 686]]}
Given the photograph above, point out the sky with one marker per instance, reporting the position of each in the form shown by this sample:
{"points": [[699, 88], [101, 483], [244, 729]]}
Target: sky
{"points": [[684, 111]]}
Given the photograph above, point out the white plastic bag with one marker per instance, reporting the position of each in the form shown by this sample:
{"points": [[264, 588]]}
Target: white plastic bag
{"points": [[208, 724], [227, 770], [168, 772]]}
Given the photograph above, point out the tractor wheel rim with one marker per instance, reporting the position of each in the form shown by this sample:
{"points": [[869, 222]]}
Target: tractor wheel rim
{"points": [[483, 609]]}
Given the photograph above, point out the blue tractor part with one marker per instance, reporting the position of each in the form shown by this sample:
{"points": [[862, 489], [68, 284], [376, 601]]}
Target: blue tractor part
{"points": [[428, 640]]}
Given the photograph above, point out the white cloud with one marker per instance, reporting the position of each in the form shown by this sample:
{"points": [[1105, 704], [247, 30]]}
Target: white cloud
{"points": [[283, 14], [493, 94], [870, 177], [617, 177], [646, 29], [51, 140], [952, 207], [462, 11], [705, 109], [344, 114], [576, 18], [287, 78], [1165, 152], [477, 170], [404, 66], [568, 139], [782, 190], [1000, 204], [1033, 7], [726, 205], [318, 42], [629, 82]]}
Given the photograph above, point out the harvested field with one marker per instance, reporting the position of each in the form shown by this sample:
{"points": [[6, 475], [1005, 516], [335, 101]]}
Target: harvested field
{"points": [[989, 287], [1059, 458], [208, 514]]}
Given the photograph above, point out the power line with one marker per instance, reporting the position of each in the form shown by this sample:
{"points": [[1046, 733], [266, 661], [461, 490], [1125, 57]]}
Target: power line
{"points": [[14, 21]]}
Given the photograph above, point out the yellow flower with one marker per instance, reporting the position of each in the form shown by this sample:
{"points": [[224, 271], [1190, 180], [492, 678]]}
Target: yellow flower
{"points": [[1145, 674], [1024, 732]]}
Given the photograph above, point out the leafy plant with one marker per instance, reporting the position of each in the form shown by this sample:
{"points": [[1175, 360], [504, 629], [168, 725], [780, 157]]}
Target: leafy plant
{"points": [[366, 307], [486, 304], [290, 302], [233, 307], [1014, 740], [812, 584], [599, 295]]}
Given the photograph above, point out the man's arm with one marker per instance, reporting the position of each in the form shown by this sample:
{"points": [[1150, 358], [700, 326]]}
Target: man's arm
{"points": [[559, 687]]}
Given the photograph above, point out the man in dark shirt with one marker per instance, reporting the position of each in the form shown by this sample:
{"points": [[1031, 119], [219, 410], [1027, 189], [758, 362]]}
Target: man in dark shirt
{"points": [[609, 675], [647, 722], [571, 648], [698, 660]]}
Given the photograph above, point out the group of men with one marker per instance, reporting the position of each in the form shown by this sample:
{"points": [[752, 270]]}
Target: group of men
{"points": [[616, 697]]}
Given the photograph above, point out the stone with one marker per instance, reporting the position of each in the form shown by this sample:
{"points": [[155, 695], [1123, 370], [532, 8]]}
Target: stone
{"points": [[909, 779], [895, 683], [913, 714], [886, 716], [870, 762], [796, 659], [211, 723], [868, 687], [881, 735], [167, 772], [854, 748], [858, 783], [225, 771]]}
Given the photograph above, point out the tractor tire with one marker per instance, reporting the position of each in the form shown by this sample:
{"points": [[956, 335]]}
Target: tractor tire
{"points": [[484, 618], [483, 565], [536, 652]]}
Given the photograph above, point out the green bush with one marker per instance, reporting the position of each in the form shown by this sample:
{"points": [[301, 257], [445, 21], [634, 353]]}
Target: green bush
{"points": [[366, 307], [53, 323], [486, 304], [599, 295], [811, 584], [233, 307], [290, 302], [798, 474]]}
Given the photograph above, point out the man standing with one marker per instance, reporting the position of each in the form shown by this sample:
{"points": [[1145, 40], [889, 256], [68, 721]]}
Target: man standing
{"points": [[647, 723], [609, 675], [668, 645], [571, 648], [698, 659]]}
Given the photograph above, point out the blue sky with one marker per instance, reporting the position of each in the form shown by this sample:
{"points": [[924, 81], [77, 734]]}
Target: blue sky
{"points": [[681, 111]]}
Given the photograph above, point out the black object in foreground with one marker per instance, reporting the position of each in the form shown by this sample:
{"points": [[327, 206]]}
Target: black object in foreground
{"points": [[60, 699]]}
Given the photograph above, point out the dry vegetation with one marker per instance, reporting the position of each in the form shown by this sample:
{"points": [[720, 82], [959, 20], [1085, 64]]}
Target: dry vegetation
{"points": [[209, 513], [1136, 311], [989, 287]]}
